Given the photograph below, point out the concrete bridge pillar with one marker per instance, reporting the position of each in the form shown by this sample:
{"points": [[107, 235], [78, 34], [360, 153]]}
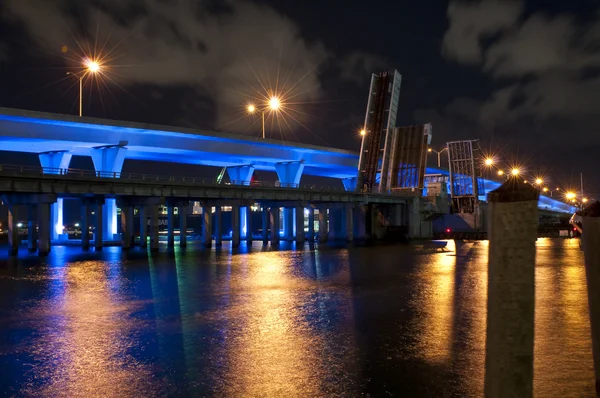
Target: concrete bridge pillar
{"points": [[300, 237], [289, 173], [55, 163], [311, 224], [207, 226], [108, 162], [143, 226], [218, 226], [274, 225], [98, 232], [13, 230], [127, 226], [359, 222], [349, 218], [170, 227], [336, 223], [85, 222], [248, 212], [235, 226], [240, 175], [154, 228], [349, 184], [44, 228], [265, 225], [322, 225], [183, 213], [31, 228], [288, 224]]}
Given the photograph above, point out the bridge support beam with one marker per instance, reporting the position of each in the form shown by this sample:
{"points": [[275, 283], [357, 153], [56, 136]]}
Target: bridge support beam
{"points": [[170, 227], [154, 228], [289, 173], [274, 225], [349, 218], [207, 226], [322, 225], [288, 224], [265, 225], [311, 224], [31, 228], [248, 211], [183, 213], [336, 223], [127, 226], [55, 163], [235, 226], [143, 211], [98, 231], [218, 226], [240, 175], [349, 184], [108, 162], [300, 238], [13, 230], [44, 228], [85, 222]]}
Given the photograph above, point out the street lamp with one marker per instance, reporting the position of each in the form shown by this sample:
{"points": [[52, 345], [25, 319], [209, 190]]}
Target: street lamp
{"points": [[515, 172], [90, 67], [363, 132], [489, 162], [539, 181], [274, 104], [500, 173], [570, 196], [438, 154]]}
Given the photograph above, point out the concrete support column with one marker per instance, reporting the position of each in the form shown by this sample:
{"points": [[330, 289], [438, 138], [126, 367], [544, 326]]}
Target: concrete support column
{"points": [[44, 229], [311, 224], [289, 173], [300, 238], [274, 225], [513, 209], [31, 228], [207, 226], [336, 224], [13, 230], [235, 226], [218, 226], [288, 223], [85, 229], [349, 216], [55, 163], [240, 175], [183, 225], [170, 226], [322, 225], [154, 228], [265, 225], [108, 163], [143, 226], [98, 233], [127, 226], [249, 225], [591, 248], [359, 221]]}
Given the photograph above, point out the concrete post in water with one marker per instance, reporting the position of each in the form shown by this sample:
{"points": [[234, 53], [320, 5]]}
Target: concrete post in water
{"points": [[265, 225], [13, 230], [300, 238], [183, 225], [513, 215], [349, 213], [31, 226], [143, 226], [85, 230], [322, 225], [154, 228], [249, 224], [98, 232], [274, 225], [44, 229], [207, 226], [235, 226], [288, 223], [218, 226], [311, 224], [591, 247], [127, 226], [170, 227]]}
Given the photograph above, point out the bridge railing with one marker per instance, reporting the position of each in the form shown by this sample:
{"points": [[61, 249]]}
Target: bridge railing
{"points": [[143, 177]]}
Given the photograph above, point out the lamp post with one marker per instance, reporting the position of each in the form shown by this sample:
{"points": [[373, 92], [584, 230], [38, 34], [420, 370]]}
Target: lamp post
{"points": [[90, 67], [273, 105], [438, 154]]}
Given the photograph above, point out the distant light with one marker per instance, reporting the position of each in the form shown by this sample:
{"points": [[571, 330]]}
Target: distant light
{"points": [[489, 161], [251, 108], [525, 181], [428, 149], [77, 225], [448, 230], [92, 66], [19, 225], [500, 172], [539, 181], [515, 172], [570, 195], [274, 103], [545, 189], [585, 200], [364, 132]]}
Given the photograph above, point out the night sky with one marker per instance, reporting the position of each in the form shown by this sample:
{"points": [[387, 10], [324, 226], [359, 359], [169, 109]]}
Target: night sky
{"points": [[521, 76]]}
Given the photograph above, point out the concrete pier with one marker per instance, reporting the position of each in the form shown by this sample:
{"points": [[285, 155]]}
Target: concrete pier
{"points": [[85, 223], [218, 227], [513, 216], [170, 227], [206, 226], [183, 213], [143, 211], [127, 226], [323, 225], [13, 230], [235, 226], [44, 228], [31, 228], [311, 224], [349, 222], [265, 225], [154, 228], [300, 238], [249, 226], [288, 223], [98, 231], [274, 225]]}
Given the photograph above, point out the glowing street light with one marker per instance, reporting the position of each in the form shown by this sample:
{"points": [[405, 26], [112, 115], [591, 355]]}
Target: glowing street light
{"points": [[363, 132], [545, 189], [274, 104], [539, 181], [489, 162], [570, 196], [500, 172], [438, 154], [91, 66], [584, 200], [515, 172]]}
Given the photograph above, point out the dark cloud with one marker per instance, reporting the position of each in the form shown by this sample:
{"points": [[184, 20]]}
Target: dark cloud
{"points": [[359, 66]]}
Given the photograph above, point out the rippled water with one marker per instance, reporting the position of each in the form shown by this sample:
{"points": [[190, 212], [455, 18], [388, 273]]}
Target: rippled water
{"points": [[385, 321]]}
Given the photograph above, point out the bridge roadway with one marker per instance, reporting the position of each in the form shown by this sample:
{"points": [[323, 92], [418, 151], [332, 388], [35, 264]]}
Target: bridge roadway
{"points": [[341, 215]]}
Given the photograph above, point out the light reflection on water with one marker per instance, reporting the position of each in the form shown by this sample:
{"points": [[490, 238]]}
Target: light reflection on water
{"points": [[390, 320]]}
